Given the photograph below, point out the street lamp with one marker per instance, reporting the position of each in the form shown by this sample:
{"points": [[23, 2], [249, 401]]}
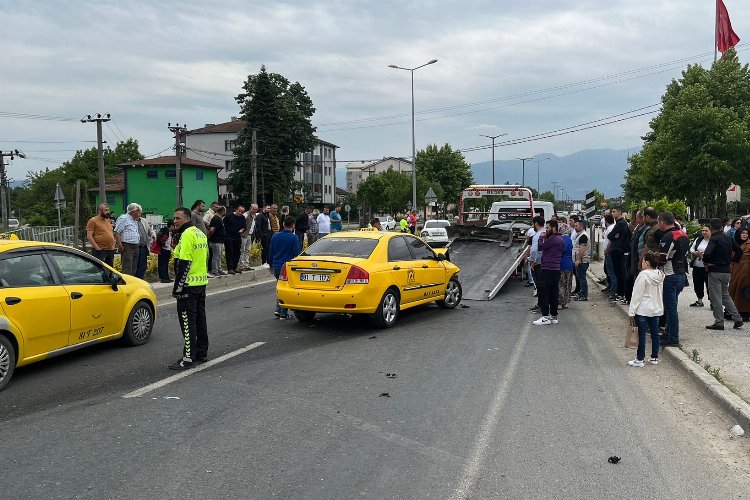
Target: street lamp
{"points": [[537, 174], [493, 137], [523, 169], [413, 142], [554, 187]]}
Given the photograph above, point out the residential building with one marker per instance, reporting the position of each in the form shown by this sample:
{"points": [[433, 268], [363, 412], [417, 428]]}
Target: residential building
{"points": [[215, 143], [152, 184], [358, 171]]}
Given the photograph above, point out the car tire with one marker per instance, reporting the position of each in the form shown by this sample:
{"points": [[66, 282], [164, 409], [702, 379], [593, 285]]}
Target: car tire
{"points": [[7, 361], [305, 316], [387, 311], [139, 326], [453, 294]]}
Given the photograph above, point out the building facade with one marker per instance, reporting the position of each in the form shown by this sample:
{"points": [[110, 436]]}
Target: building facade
{"points": [[356, 172], [215, 143]]}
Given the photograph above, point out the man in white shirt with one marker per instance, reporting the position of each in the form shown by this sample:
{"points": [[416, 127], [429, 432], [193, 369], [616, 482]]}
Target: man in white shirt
{"points": [[324, 223]]}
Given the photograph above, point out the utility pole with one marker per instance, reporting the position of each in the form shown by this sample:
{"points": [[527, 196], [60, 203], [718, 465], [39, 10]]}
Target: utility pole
{"points": [[523, 169], [4, 185], [254, 165], [179, 132], [98, 119], [493, 137]]}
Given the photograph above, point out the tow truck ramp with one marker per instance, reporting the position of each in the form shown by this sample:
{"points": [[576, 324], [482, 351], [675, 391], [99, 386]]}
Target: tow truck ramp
{"points": [[485, 265]]}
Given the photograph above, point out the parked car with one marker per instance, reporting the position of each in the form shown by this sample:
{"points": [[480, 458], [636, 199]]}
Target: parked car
{"points": [[434, 232], [54, 299], [368, 272], [387, 222], [13, 224]]}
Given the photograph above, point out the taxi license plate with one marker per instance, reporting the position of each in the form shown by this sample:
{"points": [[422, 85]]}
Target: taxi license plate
{"points": [[315, 277]]}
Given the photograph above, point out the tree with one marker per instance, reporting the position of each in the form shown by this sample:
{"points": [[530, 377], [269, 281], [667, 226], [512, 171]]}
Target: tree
{"points": [[445, 170], [700, 142], [546, 196], [281, 113], [388, 191]]}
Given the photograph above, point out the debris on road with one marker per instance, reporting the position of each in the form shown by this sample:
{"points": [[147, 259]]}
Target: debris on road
{"points": [[373, 337], [614, 459], [384, 395], [464, 306], [390, 375], [171, 397], [736, 431]]}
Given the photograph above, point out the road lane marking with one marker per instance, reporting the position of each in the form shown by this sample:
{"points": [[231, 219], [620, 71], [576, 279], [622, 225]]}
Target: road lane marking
{"points": [[208, 364], [473, 466]]}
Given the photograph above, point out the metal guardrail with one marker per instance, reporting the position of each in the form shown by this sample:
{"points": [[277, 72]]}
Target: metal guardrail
{"points": [[49, 234]]}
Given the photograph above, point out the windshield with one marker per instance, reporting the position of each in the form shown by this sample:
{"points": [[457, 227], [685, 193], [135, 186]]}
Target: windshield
{"points": [[433, 224], [360, 248]]}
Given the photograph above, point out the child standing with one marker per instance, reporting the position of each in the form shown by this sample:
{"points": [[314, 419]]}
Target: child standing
{"points": [[646, 305]]}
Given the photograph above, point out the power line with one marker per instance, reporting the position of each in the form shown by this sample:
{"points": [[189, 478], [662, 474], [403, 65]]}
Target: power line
{"points": [[30, 116], [48, 142]]}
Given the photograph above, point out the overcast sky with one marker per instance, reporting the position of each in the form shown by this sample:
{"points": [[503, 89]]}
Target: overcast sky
{"points": [[149, 63]]}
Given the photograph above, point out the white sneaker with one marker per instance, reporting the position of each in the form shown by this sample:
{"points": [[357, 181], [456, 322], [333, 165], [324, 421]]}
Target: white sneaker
{"points": [[534, 294], [553, 320], [544, 320], [636, 363], [266, 265], [209, 276], [653, 361]]}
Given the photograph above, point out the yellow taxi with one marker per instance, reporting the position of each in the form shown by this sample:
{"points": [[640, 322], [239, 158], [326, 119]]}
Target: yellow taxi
{"points": [[370, 272], [54, 298]]}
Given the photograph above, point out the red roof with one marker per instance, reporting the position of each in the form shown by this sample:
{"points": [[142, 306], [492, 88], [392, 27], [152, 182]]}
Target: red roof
{"points": [[169, 161], [114, 184], [232, 127]]}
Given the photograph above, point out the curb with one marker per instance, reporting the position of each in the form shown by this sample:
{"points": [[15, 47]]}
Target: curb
{"points": [[163, 291], [725, 399]]}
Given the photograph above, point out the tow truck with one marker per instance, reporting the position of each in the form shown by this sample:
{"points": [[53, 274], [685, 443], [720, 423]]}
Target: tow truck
{"points": [[489, 246]]}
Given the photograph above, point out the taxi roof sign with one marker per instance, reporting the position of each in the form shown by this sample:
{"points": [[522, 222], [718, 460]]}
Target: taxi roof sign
{"points": [[8, 236]]}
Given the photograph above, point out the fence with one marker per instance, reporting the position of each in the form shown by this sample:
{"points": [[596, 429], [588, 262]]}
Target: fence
{"points": [[49, 234]]}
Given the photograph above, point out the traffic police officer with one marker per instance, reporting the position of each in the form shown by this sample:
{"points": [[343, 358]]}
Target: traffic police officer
{"points": [[191, 278]]}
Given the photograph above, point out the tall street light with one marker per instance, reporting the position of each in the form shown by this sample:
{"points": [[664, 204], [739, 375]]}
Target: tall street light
{"points": [[413, 142], [523, 169], [493, 137], [537, 174]]}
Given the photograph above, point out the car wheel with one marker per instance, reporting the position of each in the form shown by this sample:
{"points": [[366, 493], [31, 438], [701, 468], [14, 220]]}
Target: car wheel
{"points": [[387, 312], [452, 295], [7, 361], [139, 325], [304, 316]]}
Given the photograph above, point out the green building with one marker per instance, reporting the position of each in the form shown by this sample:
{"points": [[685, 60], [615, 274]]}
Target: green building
{"points": [[152, 184]]}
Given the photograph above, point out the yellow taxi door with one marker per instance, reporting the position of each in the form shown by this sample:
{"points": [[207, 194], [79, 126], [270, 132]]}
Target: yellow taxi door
{"points": [[96, 309], [403, 268], [429, 271], [37, 306]]}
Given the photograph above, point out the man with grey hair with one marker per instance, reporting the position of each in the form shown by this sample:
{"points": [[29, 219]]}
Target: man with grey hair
{"points": [[131, 236]]}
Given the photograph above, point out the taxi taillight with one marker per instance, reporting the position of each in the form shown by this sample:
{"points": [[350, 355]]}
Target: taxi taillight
{"points": [[282, 274], [357, 276]]}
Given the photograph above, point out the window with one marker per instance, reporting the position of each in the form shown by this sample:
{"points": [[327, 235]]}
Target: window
{"points": [[228, 165], [25, 270], [79, 270], [199, 176], [170, 173], [398, 250], [229, 145], [152, 174], [359, 248], [419, 249]]}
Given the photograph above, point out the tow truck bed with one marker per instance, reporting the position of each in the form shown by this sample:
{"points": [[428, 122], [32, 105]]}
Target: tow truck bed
{"points": [[485, 265]]}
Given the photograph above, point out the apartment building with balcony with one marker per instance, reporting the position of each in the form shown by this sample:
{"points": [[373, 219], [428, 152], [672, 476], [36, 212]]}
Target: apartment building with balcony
{"points": [[358, 171]]}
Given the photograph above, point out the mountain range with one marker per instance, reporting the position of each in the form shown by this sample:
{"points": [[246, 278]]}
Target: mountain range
{"points": [[577, 173]]}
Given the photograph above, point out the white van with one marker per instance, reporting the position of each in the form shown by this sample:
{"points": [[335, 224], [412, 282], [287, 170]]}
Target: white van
{"points": [[519, 209], [13, 224]]}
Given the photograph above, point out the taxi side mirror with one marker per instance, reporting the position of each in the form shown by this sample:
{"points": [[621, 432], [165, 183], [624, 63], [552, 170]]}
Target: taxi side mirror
{"points": [[114, 280], [440, 257]]}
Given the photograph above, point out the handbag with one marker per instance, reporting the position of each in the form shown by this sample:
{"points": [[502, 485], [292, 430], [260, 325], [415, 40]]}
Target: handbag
{"points": [[155, 248], [631, 335]]}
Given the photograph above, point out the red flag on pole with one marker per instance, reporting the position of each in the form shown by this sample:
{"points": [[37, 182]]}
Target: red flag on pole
{"points": [[725, 36]]}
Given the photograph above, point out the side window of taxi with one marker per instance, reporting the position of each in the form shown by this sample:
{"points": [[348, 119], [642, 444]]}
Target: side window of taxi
{"points": [[420, 249], [79, 270], [25, 271], [397, 250]]}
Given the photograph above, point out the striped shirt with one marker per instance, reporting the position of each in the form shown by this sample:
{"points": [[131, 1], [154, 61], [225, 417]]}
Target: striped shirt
{"points": [[127, 228]]}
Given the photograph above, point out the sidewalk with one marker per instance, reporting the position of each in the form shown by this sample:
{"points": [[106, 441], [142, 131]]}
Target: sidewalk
{"points": [[727, 350], [163, 291]]}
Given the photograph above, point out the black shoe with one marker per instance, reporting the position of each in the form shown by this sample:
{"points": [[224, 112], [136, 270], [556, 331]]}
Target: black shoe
{"points": [[669, 343], [717, 327], [581, 299], [727, 315], [535, 308], [201, 359], [738, 325], [606, 290], [529, 284], [182, 364]]}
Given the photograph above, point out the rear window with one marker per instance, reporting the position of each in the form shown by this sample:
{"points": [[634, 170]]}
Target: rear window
{"points": [[359, 248], [434, 224]]}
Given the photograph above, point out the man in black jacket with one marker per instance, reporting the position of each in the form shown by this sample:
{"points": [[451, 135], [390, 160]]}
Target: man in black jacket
{"points": [[673, 247], [619, 239], [301, 224], [263, 234], [716, 259]]}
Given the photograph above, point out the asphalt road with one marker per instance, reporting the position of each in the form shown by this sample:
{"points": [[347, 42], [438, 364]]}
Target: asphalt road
{"points": [[482, 405]]}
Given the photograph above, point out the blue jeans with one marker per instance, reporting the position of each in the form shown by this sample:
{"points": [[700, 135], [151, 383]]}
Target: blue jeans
{"points": [[283, 311], [673, 285], [651, 323], [610, 271], [583, 284]]}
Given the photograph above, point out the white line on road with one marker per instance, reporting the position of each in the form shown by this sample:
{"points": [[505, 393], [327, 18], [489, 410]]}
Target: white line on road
{"points": [[473, 466], [208, 364]]}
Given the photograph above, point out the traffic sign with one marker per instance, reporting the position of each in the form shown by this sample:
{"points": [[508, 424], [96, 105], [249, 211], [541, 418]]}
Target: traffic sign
{"points": [[734, 193], [347, 208]]}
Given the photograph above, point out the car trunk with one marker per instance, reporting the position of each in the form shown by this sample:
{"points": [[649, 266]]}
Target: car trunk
{"points": [[319, 273]]}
